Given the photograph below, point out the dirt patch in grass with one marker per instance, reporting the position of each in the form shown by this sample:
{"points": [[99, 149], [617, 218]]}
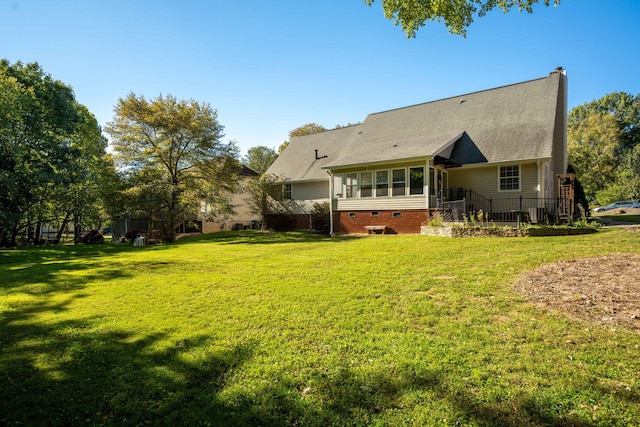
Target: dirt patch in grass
{"points": [[603, 290]]}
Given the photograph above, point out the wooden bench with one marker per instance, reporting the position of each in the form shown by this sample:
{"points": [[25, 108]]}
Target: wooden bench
{"points": [[375, 228]]}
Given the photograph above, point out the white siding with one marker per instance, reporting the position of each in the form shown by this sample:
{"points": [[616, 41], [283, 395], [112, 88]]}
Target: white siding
{"points": [[382, 203], [310, 190]]}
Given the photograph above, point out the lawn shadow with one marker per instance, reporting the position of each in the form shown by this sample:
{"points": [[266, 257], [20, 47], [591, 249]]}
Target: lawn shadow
{"points": [[256, 237], [79, 372], [68, 374], [54, 266]]}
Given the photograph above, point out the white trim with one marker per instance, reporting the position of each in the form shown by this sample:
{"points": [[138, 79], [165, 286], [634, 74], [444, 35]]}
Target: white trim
{"points": [[500, 190]]}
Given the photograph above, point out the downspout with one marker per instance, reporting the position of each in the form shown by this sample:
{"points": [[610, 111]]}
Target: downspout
{"points": [[330, 203], [540, 190], [427, 173]]}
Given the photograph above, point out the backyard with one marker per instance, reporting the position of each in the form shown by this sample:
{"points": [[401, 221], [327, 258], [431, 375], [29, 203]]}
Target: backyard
{"points": [[280, 329]]}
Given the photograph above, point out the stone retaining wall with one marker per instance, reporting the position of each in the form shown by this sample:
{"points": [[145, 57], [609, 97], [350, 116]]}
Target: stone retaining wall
{"points": [[449, 231]]}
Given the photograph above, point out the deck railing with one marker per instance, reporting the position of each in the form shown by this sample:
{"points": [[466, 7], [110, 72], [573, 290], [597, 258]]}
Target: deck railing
{"points": [[509, 209]]}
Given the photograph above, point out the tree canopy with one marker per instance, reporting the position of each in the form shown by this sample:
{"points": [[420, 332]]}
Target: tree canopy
{"points": [[306, 129], [457, 15], [260, 158], [50, 150], [604, 147], [173, 156]]}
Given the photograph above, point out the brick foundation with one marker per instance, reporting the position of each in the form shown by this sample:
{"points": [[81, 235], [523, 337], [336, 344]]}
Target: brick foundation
{"points": [[397, 222]]}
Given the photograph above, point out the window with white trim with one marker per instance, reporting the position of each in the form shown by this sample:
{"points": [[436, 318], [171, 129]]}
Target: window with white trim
{"points": [[398, 182], [509, 178], [382, 183], [366, 184], [286, 191], [351, 185]]}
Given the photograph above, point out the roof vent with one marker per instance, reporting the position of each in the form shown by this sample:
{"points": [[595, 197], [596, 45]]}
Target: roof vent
{"points": [[321, 157]]}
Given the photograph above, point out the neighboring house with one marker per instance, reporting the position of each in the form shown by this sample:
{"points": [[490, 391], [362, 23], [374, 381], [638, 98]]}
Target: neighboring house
{"points": [[499, 150], [244, 215]]}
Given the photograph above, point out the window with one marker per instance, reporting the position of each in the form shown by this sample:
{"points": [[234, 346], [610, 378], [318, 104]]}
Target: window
{"points": [[510, 178], [416, 181], [352, 214], [351, 185], [366, 184], [397, 214], [286, 191], [398, 182], [382, 183], [374, 213]]}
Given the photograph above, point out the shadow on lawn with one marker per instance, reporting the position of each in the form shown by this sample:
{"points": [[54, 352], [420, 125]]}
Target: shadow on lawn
{"points": [[72, 374], [254, 237]]}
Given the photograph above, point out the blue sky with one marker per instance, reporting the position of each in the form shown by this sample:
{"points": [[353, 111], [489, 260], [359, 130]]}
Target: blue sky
{"points": [[271, 66]]}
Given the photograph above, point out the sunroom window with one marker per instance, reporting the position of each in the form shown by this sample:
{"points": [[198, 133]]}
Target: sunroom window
{"points": [[382, 183], [398, 182], [366, 184], [351, 185], [416, 181]]}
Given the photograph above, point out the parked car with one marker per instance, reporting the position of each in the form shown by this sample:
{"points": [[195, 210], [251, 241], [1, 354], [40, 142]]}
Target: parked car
{"points": [[617, 205]]}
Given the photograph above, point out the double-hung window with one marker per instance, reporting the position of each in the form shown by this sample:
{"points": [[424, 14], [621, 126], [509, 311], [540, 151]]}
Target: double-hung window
{"points": [[366, 184], [286, 191], [510, 178], [398, 183], [351, 185], [382, 183], [416, 181]]}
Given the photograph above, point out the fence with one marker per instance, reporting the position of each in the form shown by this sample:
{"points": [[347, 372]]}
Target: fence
{"points": [[530, 209]]}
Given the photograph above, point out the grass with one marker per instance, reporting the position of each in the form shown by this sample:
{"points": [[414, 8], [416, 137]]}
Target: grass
{"points": [[247, 328]]}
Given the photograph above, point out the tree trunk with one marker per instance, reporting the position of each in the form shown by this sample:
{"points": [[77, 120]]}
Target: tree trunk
{"points": [[64, 224]]}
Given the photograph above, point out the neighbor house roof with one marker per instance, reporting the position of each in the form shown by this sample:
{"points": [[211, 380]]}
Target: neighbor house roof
{"points": [[508, 123]]}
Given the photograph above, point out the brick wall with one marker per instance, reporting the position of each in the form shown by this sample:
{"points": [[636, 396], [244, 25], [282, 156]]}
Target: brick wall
{"points": [[400, 222]]}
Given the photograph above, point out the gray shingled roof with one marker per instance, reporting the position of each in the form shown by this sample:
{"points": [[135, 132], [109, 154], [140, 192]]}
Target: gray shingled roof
{"points": [[298, 161], [508, 123]]}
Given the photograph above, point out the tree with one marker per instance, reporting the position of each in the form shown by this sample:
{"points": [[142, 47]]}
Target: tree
{"points": [[45, 138], [593, 144], [260, 158], [305, 129], [603, 136], [456, 14], [173, 151], [622, 106]]}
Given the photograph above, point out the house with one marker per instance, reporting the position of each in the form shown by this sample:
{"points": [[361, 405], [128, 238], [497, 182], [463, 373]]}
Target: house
{"points": [[499, 150], [243, 216]]}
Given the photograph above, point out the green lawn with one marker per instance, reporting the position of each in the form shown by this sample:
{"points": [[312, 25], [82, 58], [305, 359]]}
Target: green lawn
{"points": [[248, 328]]}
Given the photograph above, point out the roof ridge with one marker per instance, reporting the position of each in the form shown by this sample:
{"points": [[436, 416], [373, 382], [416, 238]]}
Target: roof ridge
{"points": [[461, 95]]}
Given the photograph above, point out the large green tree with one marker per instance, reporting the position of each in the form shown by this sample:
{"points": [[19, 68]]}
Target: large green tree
{"points": [[172, 153], [260, 158], [603, 141], [47, 141], [456, 14]]}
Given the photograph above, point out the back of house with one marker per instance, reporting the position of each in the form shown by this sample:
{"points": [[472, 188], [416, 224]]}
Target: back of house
{"points": [[500, 151]]}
